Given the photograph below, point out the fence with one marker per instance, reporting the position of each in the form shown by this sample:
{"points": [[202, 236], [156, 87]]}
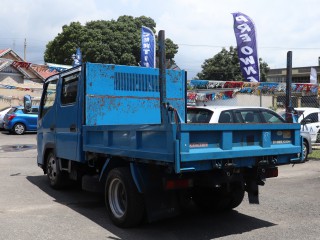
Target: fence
{"points": [[265, 94], [13, 96]]}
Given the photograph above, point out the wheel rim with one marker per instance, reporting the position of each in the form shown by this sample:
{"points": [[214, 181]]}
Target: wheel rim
{"points": [[52, 168], [304, 151], [117, 198], [19, 129]]}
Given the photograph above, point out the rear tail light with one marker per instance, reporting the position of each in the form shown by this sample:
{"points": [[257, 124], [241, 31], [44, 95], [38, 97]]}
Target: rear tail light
{"points": [[178, 184], [11, 117], [269, 172]]}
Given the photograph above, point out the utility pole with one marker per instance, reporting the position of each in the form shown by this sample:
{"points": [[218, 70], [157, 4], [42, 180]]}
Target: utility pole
{"points": [[289, 109], [25, 50]]}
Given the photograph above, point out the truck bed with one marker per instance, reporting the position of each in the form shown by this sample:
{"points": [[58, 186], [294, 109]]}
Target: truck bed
{"points": [[196, 147], [126, 117]]}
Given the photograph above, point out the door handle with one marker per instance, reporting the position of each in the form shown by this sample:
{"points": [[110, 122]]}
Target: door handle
{"points": [[73, 128], [52, 128]]}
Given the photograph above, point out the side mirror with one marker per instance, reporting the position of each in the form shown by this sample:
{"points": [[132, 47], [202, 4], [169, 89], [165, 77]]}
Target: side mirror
{"points": [[27, 103]]}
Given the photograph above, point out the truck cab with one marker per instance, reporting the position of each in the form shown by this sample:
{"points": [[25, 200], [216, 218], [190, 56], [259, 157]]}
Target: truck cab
{"points": [[60, 116]]}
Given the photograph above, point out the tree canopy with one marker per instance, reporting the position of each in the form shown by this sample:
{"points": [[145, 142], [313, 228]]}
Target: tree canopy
{"points": [[225, 66], [115, 41]]}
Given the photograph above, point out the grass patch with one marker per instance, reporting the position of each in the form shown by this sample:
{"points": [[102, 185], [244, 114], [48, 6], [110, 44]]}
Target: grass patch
{"points": [[314, 154]]}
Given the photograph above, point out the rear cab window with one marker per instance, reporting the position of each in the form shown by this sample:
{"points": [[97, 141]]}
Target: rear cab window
{"points": [[69, 89]]}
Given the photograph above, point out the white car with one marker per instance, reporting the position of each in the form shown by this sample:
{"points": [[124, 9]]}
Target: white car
{"points": [[309, 119], [230, 114], [2, 113]]}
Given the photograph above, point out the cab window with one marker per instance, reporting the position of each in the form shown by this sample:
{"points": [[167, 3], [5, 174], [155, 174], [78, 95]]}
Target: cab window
{"points": [[69, 89]]}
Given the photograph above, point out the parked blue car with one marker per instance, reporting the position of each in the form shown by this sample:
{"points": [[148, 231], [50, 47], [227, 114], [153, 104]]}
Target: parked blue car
{"points": [[18, 121]]}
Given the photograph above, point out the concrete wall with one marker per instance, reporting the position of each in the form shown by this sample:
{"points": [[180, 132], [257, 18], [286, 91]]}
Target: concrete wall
{"points": [[241, 100], [14, 97]]}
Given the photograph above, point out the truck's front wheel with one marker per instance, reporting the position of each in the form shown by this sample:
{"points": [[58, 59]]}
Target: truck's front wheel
{"points": [[124, 203], [55, 176]]}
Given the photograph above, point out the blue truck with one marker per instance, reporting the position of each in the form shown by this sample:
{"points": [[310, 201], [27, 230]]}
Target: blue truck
{"points": [[123, 130]]}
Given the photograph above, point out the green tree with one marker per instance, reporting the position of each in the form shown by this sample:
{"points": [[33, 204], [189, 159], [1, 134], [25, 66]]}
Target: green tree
{"points": [[225, 66], [115, 41]]}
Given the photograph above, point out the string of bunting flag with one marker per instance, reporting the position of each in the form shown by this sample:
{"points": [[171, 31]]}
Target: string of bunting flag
{"points": [[3, 86], [3, 97], [228, 89]]}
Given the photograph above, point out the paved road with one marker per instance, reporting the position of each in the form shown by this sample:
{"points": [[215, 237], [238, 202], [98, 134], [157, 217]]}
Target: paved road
{"points": [[29, 209]]}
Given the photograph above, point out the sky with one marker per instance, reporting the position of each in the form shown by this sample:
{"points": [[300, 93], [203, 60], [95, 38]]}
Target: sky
{"points": [[201, 28]]}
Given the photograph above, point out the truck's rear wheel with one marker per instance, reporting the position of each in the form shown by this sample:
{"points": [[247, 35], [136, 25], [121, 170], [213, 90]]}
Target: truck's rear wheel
{"points": [[55, 176], [219, 199], [235, 196], [212, 200], [124, 203]]}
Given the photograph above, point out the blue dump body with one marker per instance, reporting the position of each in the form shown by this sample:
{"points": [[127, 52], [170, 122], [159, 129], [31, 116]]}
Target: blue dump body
{"points": [[123, 118], [119, 95]]}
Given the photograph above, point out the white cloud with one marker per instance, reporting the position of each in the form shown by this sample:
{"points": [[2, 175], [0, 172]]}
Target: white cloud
{"points": [[281, 25]]}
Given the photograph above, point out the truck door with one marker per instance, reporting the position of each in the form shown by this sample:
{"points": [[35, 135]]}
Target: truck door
{"points": [[67, 119], [47, 118]]}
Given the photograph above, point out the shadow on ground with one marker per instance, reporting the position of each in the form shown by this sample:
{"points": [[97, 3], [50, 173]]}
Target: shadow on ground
{"points": [[192, 224]]}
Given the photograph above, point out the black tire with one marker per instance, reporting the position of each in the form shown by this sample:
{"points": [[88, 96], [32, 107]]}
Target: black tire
{"points": [[235, 196], [56, 177], [318, 137], [210, 200], [219, 199], [19, 128], [124, 203], [305, 151]]}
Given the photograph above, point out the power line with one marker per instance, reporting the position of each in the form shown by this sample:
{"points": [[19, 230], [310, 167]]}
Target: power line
{"points": [[267, 47], [32, 40]]}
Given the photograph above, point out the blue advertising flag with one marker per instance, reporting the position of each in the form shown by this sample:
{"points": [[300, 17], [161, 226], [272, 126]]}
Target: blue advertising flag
{"points": [[77, 58], [244, 30], [148, 50]]}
